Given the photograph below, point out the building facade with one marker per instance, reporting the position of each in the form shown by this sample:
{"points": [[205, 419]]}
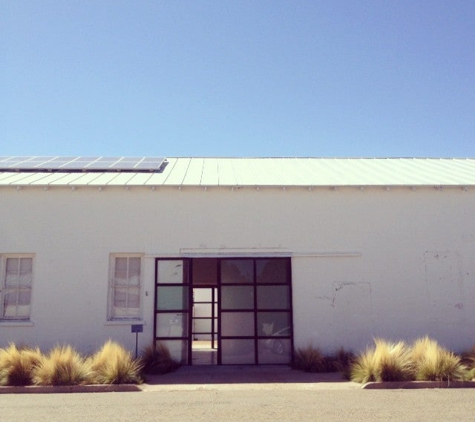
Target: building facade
{"points": [[258, 255]]}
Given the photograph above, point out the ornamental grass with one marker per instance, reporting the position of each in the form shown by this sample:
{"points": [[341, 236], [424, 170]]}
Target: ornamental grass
{"points": [[386, 361], [425, 360], [62, 366], [113, 364], [309, 359], [434, 363], [340, 361], [17, 365], [157, 360]]}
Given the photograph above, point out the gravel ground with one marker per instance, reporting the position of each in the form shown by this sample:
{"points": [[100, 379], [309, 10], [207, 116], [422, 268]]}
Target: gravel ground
{"points": [[256, 404], [242, 394]]}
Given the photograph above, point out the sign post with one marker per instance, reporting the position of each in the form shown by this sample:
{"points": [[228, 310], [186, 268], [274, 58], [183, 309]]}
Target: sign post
{"points": [[136, 328]]}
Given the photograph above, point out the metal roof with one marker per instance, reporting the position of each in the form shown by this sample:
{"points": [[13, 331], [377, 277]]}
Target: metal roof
{"points": [[262, 172]]}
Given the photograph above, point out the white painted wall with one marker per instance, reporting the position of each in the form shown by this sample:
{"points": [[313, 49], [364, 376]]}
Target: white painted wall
{"points": [[411, 274]]}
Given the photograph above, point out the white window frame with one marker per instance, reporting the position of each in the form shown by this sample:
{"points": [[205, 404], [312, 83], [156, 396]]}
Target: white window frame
{"points": [[3, 288], [114, 285]]}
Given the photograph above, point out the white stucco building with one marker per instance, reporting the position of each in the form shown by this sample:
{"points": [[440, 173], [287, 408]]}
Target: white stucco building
{"points": [[264, 254]]}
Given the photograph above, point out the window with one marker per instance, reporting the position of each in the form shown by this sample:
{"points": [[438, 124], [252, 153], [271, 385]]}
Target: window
{"points": [[15, 288], [124, 289]]}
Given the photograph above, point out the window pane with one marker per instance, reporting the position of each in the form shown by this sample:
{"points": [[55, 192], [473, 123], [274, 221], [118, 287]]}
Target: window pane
{"points": [[273, 297], [124, 312], [172, 324], [25, 275], [202, 325], [24, 297], [205, 271], [273, 324], [237, 271], [23, 311], [237, 297], [120, 298], [133, 298], [170, 272], [134, 271], [274, 351], [237, 324], [12, 272], [172, 298], [201, 310], [15, 307], [13, 266], [121, 270], [272, 271], [26, 266], [10, 298], [202, 295], [237, 352]]}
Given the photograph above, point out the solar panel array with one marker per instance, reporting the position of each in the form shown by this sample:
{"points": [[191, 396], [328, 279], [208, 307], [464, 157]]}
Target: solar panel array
{"points": [[83, 164]]}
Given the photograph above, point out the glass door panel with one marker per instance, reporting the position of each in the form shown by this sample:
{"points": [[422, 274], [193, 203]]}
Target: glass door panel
{"points": [[172, 298], [237, 297], [238, 351], [273, 297], [171, 325], [172, 315], [171, 271], [237, 271], [237, 324]]}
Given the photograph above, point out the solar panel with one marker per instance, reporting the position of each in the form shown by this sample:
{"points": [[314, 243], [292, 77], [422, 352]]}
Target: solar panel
{"points": [[83, 164]]}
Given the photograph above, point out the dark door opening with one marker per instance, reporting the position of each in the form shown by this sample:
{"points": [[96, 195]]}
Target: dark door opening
{"points": [[204, 348]]}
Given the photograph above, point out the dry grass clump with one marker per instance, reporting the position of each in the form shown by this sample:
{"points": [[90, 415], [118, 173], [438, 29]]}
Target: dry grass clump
{"points": [[113, 364], [62, 366], [17, 365], [434, 363], [385, 362], [425, 360], [309, 359], [339, 361], [468, 360], [157, 360]]}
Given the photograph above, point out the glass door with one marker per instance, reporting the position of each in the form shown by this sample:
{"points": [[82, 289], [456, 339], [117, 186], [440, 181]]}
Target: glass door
{"points": [[172, 310], [255, 311], [225, 310]]}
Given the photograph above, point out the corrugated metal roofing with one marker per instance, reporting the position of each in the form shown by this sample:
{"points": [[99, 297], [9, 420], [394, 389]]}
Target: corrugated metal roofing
{"points": [[270, 172]]}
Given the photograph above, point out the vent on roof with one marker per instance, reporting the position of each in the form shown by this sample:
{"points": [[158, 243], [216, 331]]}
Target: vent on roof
{"points": [[83, 164]]}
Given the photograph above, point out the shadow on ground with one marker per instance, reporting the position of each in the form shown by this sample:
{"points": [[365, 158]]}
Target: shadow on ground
{"points": [[241, 374]]}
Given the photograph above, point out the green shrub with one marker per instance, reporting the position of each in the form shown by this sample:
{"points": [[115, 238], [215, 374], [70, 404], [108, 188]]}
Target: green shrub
{"points": [[62, 366], [157, 360], [113, 364], [385, 362], [17, 365]]}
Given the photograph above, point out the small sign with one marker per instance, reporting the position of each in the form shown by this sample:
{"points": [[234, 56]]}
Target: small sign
{"points": [[137, 328]]}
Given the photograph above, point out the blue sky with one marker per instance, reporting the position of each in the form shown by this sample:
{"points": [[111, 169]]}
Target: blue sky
{"points": [[333, 78]]}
